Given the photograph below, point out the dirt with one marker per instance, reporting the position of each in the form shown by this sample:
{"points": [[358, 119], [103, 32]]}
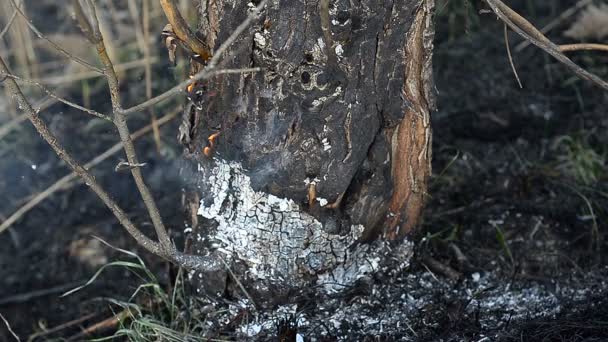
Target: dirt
{"points": [[513, 246]]}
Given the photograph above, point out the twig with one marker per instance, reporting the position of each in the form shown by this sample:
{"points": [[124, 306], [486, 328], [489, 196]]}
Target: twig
{"points": [[209, 70], [148, 70], [164, 248], [60, 327], [103, 325], [59, 98], [583, 46], [48, 136], [120, 121], [8, 326], [8, 24], [78, 76], [55, 45], [563, 16], [240, 285], [83, 24], [64, 181], [12, 124], [511, 57], [26, 297], [182, 31], [203, 75], [525, 29]]}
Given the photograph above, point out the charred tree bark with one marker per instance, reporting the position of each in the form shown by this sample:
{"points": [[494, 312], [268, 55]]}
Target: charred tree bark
{"points": [[309, 171]]}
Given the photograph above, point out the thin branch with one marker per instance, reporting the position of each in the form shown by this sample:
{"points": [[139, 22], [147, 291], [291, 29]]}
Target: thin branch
{"points": [[36, 294], [65, 180], [148, 68], [511, 57], [583, 46], [203, 75], [59, 98], [8, 24], [48, 136], [55, 45], [120, 121], [83, 23], [208, 72], [182, 31], [563, 16], [8, 326], [525, 29], [78, 76], [62, 326], [12, 124]]}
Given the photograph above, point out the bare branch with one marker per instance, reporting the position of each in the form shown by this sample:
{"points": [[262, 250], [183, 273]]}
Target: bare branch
{"points": [[48, 136], [203, 75], [77, 76], [120, 121], [59, 98], [563, 16], [583, 46], [525, 29], [506, 33], [83, 22], [8, 326], [208, 72], [182, 31], [8, 24], [55, 45], [64, 181]]}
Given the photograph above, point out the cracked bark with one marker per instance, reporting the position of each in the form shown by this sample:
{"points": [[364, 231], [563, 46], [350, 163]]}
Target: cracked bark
{"points": [[324, 156]]}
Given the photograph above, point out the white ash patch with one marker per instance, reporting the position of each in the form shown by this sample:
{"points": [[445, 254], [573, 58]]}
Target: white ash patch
{"points": [[407, 307], [326, 144], [260, 40], [275, 238], [318, 51], [339, 50]]}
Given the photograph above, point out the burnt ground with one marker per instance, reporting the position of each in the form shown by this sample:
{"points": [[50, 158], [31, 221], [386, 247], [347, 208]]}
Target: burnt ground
{"points": [[513, 245]]}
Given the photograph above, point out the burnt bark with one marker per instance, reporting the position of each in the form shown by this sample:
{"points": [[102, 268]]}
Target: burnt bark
{"points": [[310, 170]]}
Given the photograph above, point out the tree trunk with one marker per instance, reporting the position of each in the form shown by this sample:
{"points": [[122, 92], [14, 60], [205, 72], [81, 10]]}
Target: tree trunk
{"points": [[314, 170]]}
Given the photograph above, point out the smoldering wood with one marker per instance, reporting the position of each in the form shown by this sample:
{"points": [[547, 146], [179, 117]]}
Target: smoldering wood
{"points": [[298, 188]]}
